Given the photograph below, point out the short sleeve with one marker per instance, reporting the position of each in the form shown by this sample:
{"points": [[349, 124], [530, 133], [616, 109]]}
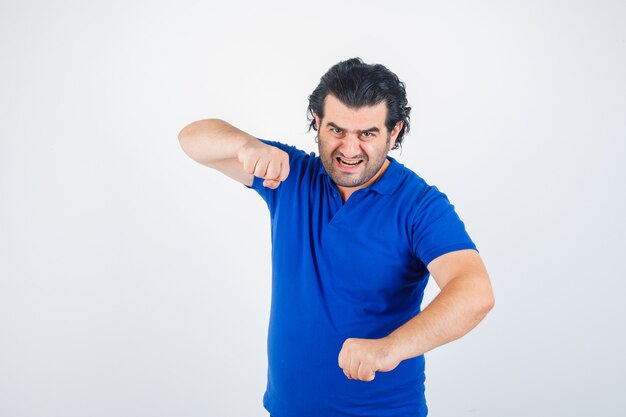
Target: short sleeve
{"points": [[437, 229], [268, 194]]}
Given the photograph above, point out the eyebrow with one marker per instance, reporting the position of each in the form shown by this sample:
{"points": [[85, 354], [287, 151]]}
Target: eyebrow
{"points": [[371, 129]]}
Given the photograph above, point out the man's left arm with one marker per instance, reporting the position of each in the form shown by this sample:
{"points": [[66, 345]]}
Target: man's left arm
{"points": [[465, 299]]}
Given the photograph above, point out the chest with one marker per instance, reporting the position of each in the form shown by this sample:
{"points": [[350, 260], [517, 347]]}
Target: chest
{"points": [[361, 247]]}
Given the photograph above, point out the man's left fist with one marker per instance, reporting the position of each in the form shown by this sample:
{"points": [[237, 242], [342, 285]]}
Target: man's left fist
{"points": [[362, 358]]}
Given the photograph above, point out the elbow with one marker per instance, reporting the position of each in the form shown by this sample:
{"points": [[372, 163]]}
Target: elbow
{"points": [[186, 131], [189, 135], [184, 141], [202, 126], [480, 309], [490, 303], [184, 136], [487, 302], [484, 300]]}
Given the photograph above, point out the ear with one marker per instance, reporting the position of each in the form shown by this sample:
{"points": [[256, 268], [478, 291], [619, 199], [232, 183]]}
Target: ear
{"points": [[317, 121], [394, 134]]}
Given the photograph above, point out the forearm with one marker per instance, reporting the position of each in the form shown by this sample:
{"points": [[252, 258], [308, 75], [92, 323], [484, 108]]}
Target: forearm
{"points": [[456, 310], [211, 141]]}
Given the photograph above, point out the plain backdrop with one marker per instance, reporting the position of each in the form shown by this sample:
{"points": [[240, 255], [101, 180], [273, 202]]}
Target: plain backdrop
{"points": [[135, 281]]}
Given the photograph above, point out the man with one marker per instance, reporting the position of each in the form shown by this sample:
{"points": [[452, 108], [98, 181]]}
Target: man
{"points": [[355, 236]]}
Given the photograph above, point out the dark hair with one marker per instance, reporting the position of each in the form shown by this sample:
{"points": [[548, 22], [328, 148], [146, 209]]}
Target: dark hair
{"points": [[357, 84]]}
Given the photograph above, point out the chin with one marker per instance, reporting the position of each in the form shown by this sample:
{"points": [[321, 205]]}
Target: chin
{"points": [[347, 182]]}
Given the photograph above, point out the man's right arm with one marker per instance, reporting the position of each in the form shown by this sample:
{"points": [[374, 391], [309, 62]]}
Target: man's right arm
{"points": [[221, 146]]}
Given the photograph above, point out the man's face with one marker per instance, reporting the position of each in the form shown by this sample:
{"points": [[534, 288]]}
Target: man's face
{"points": [[353, 143]]}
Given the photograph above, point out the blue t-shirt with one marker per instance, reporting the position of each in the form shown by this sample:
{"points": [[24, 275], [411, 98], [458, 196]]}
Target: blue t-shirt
{"points": [[348, 270]]}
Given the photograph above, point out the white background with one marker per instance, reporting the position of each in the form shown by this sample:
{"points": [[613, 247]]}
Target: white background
{"points": [[135, 281]]}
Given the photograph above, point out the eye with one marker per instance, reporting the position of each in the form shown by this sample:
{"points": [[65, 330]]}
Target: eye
{"points": [[335, 130], [368, 135]]}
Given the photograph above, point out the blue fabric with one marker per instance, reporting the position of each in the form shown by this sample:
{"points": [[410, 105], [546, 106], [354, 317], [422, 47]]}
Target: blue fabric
{"points": [[353, 270]]}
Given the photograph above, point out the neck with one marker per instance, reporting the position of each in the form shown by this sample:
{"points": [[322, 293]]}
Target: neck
{"points": [[346, 192]]}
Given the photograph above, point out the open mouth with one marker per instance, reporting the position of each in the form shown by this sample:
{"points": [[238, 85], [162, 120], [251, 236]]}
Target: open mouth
{"points": [[348, 162]]}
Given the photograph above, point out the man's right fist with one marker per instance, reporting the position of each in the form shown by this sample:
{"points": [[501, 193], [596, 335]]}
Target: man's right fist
{"points": [[265, 161]]}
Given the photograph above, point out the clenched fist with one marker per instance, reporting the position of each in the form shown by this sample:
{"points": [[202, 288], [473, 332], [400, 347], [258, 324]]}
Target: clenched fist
{"points": [[265, 161], [362, 358]]}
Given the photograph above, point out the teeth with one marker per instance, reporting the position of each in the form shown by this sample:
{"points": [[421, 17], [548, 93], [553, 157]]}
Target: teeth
{"points": [[343, 161]]}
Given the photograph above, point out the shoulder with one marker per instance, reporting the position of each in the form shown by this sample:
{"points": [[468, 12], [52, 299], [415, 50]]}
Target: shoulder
{"points": [[436, 227], [424, 201], [413, 189]]}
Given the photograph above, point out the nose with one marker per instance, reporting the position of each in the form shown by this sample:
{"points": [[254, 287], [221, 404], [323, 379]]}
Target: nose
{"points": [[350, 146]]}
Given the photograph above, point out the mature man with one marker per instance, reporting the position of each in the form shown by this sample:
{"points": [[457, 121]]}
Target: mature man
{"points": [[355, 236]]}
